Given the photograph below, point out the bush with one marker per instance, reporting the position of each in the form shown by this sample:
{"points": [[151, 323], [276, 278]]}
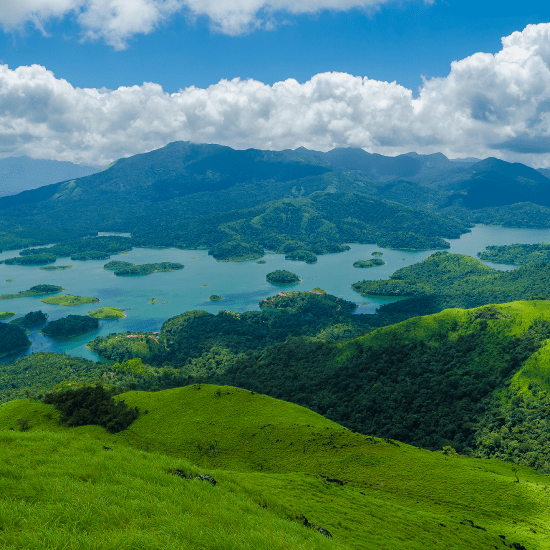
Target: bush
{"points": [[92, 405]]}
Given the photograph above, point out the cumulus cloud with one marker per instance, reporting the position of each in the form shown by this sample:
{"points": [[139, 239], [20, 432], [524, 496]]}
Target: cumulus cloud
{"points": [[488, 105], [117, 20]]}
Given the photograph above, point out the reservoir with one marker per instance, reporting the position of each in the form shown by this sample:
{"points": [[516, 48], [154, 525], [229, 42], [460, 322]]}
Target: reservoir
{"points": [[241, 284]]}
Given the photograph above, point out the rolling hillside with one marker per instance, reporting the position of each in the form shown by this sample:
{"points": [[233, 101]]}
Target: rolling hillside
{"points": [[276, 467]]}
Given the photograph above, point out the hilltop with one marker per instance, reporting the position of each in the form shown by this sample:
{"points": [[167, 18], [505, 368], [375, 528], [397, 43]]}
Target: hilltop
{"points": [[276, 467]]}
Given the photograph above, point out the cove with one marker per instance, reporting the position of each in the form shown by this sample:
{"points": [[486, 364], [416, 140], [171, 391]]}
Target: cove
{"points": [[241, 284]]}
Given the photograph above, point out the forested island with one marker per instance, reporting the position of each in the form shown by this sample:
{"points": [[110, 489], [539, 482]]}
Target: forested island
{"points": [[56, 267], [215, 298], [31, 319], [6, 315], [516, 254], [72, 325], [36, 259], [35, 290], [69, 300], [282, 277], [12, 339], [368, 263], [147, 269]]}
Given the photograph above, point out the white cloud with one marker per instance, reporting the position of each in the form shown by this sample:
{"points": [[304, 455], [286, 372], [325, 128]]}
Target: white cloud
{"points": [[116, 21], [488, 105]]}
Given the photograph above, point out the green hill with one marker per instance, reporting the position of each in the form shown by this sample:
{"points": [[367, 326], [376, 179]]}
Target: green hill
{"points": [[274, 464]]}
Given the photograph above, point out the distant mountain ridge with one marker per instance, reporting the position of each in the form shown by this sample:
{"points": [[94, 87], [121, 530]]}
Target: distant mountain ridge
{"points": [[160, 193], [19, 174]]}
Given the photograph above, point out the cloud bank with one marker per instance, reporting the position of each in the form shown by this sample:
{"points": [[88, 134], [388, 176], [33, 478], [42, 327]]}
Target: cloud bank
{"points": [[115, 21], [488, 105]]}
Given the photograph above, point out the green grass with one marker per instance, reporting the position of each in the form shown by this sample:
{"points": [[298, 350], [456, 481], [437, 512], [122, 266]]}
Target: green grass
{"points": [[55, 267], [107, 313], [6, 315], [69, 300], [60, 489]]}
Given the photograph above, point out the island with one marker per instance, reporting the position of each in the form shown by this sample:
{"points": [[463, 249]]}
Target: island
{"points": [[91, 255], [72, 325], [215, 297], [55, 267], [6, 315], [147, 269], [69, 300], [117, 264], [107, 313], [260, 262], [282, 277], [33, 291], [377, 254], [369, 263], [301, 256], [32, 319], [316, 303], [35, 259]]}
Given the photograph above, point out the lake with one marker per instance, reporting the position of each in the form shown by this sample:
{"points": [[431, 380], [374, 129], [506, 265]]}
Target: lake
{"points": [[242, 284]]}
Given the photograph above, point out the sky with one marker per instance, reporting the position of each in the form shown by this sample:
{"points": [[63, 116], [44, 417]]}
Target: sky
{"points": [[90, 81]]}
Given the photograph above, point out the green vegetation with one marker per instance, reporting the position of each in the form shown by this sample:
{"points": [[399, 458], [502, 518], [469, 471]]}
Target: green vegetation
{"points": [[274, 464], [368, 263], [146, 269], [36, 259], [6, 315], [316, 303], [94, 248], [453, 280], [33, 291], [107, 313], [116, 264], [92, 405], [301, 256], [72, 325], [215, 297], [516, 254], [377, 254], [56, 267], [260, 262], [12, 339], [235, 251], [69, 300], [90, 255], [32, 319], [282, 277], [153, 301]]}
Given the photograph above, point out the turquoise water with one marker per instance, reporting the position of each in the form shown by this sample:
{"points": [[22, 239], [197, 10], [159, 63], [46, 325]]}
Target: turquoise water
{"points": [[242, 284]]}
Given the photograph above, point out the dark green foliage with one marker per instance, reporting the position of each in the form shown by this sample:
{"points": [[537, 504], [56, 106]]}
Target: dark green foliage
{"points": [[317, 304], [32, 319], [35, 259], [45, 289], [302, 256], [236, 250], [377, 254], [12, 339], [146, 269], [516, 254], [368, 263], [426, 393], [92, 405], [282, 277], [215, 297], [71, 325], [95, 248], [115, 264], [33, 291], [91, 255]]}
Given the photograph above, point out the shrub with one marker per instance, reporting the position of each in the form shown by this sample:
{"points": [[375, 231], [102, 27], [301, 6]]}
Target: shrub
{"points": [[92, 405]]}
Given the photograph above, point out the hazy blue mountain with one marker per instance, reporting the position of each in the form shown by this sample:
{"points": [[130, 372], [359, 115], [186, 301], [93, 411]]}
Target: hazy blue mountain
{"points": [[23, 173], [544, 171]]}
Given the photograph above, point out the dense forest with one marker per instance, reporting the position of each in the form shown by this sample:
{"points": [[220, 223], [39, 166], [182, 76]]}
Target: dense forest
{"points": [[72, 325], [516, 254], [35, 290]]}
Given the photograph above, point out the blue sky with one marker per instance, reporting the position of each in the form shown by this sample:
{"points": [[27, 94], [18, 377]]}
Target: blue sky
{"points": [[399, 42], [177, 44]]}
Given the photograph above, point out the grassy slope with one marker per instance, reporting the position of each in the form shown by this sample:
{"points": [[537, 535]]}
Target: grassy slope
{"points": [[261, 451]]}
